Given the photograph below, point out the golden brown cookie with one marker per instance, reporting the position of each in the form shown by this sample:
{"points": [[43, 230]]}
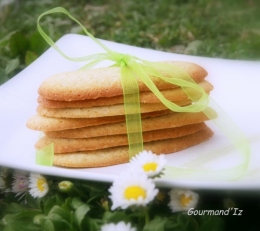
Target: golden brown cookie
{"points": [[119, 155], [173, 95], [103, 82], [153, 123], [62, 145], [102, 111], [42, 123]]}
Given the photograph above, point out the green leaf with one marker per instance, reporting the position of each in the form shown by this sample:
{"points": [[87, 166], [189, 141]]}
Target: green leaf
{"points": [[12, 65], [30, 57], [212, 223], [18, 43], [26, 214], [156, 224], [39, 219], [37, 44], [5, 40], [187, 222], [52, 200], [94, 187], [22, 221], [14, 208], [115, 217], [80, 213], [3, 76], [31, 201], [48, 226], [90, 224], [172, 225], [59, 222], [76, 203], [67, 205], [61, 212]]}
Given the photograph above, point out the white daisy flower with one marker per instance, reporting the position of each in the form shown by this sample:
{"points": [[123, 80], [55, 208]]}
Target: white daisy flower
{"points": [[132, 189], [20, 183], [148, 162], [182, 200], [38, 185], [121, 226]]}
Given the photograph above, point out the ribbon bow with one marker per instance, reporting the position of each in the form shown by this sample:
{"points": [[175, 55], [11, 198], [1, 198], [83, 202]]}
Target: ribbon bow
{"points": [[134, 69]]}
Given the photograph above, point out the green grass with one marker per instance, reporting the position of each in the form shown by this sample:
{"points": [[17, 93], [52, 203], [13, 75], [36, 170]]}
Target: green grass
{"points": [[213, 28]]}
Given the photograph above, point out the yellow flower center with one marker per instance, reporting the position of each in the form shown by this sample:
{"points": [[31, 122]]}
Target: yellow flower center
{"points": [[150, 166], [185, 200], [40, 184], [134, 192], [63, 184]]}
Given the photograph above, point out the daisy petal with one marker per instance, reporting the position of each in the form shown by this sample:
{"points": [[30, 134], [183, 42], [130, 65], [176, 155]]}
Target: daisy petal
{"points": [[38, 185], [148, 163], [132, 189], [182, 200], [121, 226]]}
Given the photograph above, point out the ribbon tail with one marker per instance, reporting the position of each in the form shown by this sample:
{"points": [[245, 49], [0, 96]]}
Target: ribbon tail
{"points": [[51, 42], [233, 133], [132, 111], [45, 155], [177, 77], [92, 64]]}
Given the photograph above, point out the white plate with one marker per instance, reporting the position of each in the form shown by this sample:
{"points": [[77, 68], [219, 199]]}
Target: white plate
{"points": [[236, 90]]}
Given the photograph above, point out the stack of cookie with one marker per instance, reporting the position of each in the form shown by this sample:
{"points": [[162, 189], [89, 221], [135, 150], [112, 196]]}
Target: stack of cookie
{"points": [[82, 113]]}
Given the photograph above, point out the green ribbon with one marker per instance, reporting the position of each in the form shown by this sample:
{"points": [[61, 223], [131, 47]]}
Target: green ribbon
{"points": [[134, 69], [45, 155]]}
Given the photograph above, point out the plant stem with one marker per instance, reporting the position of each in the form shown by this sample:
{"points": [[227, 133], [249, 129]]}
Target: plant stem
{"points": [[146, 215], [79, 192]]}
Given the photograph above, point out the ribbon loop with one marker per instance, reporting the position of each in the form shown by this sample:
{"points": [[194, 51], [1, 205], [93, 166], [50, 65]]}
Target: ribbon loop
{"points": [[123, 60]]}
